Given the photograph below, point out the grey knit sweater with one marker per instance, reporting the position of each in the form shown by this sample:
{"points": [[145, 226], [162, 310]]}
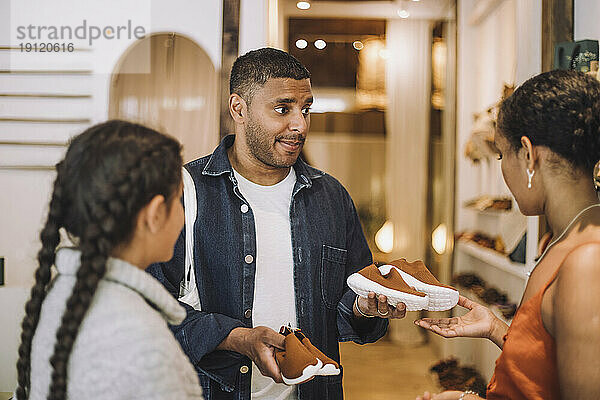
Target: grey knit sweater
{"points": [[124, 348]]}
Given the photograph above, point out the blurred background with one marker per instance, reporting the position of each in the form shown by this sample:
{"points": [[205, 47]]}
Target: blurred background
{"points": [[405, 100]]}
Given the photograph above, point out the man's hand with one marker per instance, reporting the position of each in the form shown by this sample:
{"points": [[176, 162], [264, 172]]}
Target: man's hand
{"points": [[259, 345], [378, 307]]}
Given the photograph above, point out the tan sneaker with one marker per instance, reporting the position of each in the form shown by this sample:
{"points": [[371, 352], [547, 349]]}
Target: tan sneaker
{"points": [[330, 367], [296, 363], [389, 284], [441, 297]]}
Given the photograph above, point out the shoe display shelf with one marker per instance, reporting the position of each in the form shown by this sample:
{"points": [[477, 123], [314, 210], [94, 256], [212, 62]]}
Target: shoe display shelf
{"points": [[480, 354], [491, 258], [498, 271]]}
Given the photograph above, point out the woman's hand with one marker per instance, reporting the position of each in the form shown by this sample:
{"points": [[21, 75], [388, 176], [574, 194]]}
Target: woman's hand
{"points": [[479, 322], [448, 395]]}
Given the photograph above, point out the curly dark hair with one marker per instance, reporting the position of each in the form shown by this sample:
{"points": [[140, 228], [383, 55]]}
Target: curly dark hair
{"points": [[110, 172], [255, 68], [559, 110]]}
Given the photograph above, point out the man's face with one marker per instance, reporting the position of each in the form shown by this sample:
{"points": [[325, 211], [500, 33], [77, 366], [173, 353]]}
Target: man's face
{"points": [[278, 121]]}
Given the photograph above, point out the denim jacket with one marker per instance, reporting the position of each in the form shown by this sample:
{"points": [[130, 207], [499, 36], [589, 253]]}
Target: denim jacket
{"points": [[327, 244]]}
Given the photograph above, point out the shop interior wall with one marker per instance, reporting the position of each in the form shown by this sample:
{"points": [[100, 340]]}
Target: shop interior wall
{"points": [[501, 47], [25, 193], [587, 19]]}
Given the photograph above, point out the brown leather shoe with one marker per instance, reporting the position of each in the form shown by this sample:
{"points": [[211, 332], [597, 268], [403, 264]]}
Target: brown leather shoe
{"points": [[389, 284], [441, 297], [296, 363], [330, 367]]}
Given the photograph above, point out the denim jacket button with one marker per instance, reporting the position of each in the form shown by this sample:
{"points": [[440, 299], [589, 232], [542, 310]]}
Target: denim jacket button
{"points": [[244, 369], [249, 259], [244, 208], [248, 313]]}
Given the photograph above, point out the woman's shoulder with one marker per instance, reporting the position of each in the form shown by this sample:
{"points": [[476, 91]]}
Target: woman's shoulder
{"points": [[582, 262]]}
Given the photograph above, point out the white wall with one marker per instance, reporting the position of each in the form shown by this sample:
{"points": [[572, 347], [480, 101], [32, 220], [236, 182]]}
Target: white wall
{"points": [[254, 25], [504, 47], [201, 21], [486, 60], [587, 19], [25, 193]]}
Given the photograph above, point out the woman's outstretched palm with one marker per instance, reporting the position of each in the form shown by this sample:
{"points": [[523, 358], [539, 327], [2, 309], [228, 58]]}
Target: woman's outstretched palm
{"points": [[478, 322]]}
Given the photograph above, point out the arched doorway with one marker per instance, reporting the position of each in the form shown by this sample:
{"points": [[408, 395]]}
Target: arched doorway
{"points": [[178, 96]]}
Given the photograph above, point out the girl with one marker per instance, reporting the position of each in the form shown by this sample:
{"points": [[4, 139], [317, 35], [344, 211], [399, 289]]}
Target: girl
{"points": [[99, 328]]}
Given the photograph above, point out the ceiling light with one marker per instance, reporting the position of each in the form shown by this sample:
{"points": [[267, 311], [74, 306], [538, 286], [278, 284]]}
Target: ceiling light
{"points": [[320, 44], [301, 43], [403, 13], [303, 5], [358, 45]]}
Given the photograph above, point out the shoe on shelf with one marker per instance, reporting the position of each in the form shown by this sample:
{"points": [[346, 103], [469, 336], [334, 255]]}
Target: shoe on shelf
{"points": [[296, 363], [441, 297], [389, 283], [330, 367]]}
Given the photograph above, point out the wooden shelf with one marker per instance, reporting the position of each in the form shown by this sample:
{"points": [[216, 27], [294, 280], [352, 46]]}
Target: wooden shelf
{"points": [[492, 258], [489, 211]]}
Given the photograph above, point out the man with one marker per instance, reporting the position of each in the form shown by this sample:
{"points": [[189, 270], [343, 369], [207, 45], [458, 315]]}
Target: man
{"points": [[274, 241]]}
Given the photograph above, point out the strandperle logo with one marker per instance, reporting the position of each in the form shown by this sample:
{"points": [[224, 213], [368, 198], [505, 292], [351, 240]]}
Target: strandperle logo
{"points": [[82, 32]]}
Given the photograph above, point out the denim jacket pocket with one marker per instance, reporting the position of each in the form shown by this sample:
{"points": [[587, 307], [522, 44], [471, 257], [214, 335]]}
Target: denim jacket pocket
{"points": [[333, 271]]}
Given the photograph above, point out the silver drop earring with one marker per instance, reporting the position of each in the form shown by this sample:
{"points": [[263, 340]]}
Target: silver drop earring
{"points": [[529, 177]]}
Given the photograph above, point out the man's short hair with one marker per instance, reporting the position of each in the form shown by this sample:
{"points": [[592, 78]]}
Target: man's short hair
{"points": [[252, 70]]}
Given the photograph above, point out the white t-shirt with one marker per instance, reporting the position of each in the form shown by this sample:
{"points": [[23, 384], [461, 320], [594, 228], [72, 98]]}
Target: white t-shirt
{"points": [[274, 296]]}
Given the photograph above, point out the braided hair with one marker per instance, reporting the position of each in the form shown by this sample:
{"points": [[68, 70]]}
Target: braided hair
{"points": [[559, 110], [110, 172]]}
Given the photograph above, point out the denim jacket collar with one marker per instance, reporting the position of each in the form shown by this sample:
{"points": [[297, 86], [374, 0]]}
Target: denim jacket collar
{"points": [[219, 164]]}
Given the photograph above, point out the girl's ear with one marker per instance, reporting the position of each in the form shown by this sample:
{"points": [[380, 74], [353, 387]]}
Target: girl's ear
{"points": [[153, 215]]}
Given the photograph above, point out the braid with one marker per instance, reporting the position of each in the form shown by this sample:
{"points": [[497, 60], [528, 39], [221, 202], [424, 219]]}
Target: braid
{"points": [[50, 238], [94, 253]]}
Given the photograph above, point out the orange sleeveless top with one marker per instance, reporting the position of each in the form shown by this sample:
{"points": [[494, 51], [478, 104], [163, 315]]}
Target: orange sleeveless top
{"points": [[527, 368]]}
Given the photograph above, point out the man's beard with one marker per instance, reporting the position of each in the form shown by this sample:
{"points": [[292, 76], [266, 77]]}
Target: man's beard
{"points": [[261, 146]]}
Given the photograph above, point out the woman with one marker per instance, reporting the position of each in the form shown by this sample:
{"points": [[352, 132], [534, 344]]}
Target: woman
{"points": [[548, 136], [99, 329]]}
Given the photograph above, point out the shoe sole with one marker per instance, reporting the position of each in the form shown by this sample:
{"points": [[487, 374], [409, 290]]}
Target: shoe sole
{"points": [[440, 298], [362, 286], [308, 372], [329, 370]]}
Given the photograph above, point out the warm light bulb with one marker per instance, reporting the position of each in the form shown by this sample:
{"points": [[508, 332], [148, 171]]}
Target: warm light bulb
{"points": [[301, 43], [303, 5], [439, 238], [358, 45], [384, 238], [403, 14], [320, 44]]}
